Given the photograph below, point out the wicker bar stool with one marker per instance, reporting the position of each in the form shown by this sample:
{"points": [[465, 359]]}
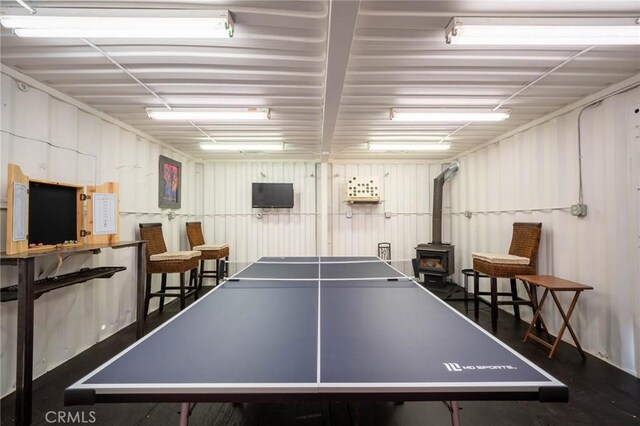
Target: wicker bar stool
{"points": [[521, 260], [159, 261], [217, 252]]}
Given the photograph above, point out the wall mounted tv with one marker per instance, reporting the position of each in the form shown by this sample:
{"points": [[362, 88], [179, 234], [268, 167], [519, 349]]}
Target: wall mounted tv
{"points": [[272, 195]]}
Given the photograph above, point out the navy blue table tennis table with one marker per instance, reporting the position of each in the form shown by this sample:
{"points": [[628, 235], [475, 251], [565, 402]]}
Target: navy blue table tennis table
{"points": [[310, 328]]}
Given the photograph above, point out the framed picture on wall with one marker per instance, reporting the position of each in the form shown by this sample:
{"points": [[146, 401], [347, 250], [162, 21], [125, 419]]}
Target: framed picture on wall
{"points": [[169, 183]]}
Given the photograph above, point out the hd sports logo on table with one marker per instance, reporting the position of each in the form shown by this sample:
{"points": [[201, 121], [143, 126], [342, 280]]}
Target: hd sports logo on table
{"points": [[454, 367]]}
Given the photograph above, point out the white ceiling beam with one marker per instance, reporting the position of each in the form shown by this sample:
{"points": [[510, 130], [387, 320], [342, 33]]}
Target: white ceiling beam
{"points": [[342, 24]]}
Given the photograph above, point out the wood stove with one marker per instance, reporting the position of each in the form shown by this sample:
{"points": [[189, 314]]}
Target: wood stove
{"points": [[436, 259], [436, 262]]}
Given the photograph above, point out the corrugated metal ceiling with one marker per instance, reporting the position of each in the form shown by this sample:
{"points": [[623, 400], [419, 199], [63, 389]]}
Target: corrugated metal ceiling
{"points": [[278, 59]]}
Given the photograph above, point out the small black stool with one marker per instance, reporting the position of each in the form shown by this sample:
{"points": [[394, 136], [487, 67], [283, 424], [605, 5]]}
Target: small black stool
{"points": [[468, 273], [384, 252]]}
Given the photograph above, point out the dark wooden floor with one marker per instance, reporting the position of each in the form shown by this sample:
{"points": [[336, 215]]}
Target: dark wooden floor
{"points": [[599, 395]]}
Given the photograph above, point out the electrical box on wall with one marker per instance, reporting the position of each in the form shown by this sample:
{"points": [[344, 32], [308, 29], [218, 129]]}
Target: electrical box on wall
{"points": [[363, 190]]}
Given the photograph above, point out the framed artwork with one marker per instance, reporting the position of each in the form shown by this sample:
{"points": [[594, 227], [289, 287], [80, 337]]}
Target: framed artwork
{"points": [[169, 183]]}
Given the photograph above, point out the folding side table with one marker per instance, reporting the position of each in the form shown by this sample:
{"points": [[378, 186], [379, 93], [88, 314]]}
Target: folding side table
{"points": [[552, 285]]}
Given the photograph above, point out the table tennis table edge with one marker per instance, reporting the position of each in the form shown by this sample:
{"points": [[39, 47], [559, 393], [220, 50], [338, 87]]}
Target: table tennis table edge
{"points": [[494, 338], [282, 392], [81, 393]]}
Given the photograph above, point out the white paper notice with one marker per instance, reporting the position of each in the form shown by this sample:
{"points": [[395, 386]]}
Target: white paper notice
{"points": [[104, 214], [19, 211]]}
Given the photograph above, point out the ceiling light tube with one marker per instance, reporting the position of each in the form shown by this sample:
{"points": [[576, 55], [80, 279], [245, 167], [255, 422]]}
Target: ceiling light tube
{"points": [[543, 31], [122, 23], [205, 114], [378, 146], [248, 138], [447, 115], [408, 138], [242, 146]]}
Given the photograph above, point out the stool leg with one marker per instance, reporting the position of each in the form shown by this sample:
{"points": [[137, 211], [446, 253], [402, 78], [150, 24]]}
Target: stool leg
{"points": [[147, 296], [193, 282], [476, 290], [201, 273], [163, 289], [182, 291], [218, 272], [514, 297], [494, 304], [466, 294]]}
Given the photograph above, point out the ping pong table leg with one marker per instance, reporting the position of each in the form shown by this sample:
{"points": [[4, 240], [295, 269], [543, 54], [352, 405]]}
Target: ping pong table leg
{"points": [[454, 409], [185, 412]]}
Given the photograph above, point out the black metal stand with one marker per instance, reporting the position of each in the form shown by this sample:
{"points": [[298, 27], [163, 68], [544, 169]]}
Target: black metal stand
{"points": [[25, 296]]}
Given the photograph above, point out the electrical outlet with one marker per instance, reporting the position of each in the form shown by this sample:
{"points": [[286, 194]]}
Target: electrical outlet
{"points": [[579, 210], [349, 215]]}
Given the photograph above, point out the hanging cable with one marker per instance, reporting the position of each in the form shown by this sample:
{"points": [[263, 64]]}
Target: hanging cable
{"points": [[137, 80], [557, 67], [526, 86], [26, 6], [203, 132], [140, 82]]}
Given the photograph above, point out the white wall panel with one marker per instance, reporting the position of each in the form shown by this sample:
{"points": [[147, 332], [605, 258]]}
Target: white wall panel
{"points": [[229, 217], [538, 169], [55, 141], [88, 144], [406, 193]]}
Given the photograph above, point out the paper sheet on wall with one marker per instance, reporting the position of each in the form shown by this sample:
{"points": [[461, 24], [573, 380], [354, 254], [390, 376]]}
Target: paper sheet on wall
{"points": [[19, 211], [104, 214]]}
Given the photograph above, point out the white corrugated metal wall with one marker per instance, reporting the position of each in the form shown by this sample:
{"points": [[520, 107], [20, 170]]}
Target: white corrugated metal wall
{"points": [[402, 219], [84, 150], [538, 169], [229, 217]]}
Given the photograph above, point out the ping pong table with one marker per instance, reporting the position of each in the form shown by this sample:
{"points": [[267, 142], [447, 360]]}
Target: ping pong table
{"points": [[317, 328]]}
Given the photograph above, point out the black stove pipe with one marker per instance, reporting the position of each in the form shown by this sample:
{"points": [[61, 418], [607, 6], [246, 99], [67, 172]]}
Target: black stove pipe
{"points": [[438, 184]]}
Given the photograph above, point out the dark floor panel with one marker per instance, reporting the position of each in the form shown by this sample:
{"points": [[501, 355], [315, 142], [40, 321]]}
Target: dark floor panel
{"points": [[599, 395]]}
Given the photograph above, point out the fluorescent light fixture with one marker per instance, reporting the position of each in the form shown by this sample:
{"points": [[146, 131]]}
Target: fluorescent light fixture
{"points": [[247, 138], [408, 138], [378, 146], [447, 115], [204, 114], [242, 146], [122, 23], [543, 31]]}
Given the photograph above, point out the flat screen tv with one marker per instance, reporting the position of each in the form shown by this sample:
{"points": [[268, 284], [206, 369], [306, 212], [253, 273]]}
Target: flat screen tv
{"points": [[272, 195]]}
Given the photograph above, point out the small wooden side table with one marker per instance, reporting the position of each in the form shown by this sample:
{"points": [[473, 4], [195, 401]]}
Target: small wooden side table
{"points": [[552, 285]]}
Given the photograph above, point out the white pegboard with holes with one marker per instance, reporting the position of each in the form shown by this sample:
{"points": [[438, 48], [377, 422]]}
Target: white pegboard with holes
{"points": [[363, 189]]}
